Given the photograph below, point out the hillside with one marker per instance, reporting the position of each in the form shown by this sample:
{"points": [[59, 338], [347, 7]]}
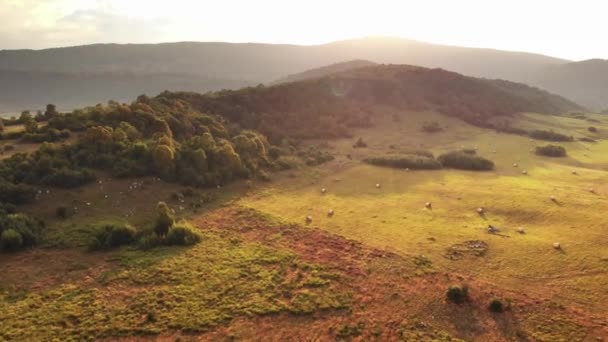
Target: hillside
{"points": [[213, 66], [387, 202], [585, 82], [331, 106]]}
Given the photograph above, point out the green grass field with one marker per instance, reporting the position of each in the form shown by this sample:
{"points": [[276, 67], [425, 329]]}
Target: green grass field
{"points": [[377, 269], [394, 217]]}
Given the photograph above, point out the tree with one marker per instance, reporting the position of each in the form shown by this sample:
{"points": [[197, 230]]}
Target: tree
{"points": [[50, 112], [30, 125], [165, 219], [1, 125], [163, 157]]}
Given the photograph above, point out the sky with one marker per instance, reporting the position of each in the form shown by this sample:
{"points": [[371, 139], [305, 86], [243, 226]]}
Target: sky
{"points": [[573, 30]]}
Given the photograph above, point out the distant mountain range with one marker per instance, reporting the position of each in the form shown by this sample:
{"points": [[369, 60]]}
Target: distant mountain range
{"points": [[75, 76]]}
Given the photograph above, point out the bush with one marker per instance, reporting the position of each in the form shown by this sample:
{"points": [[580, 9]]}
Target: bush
{"points": [[287, 162], [414, 162], [496, 305], [68, 178], [431, 127], [149, 241], [165, 219], [111, 235], [27, 228], [16, 193], [360, 143], [10, 240], [585, 139], [458, 294], [592, 129], [465, 161], [182, 234], [551, 151], [549, 136]]}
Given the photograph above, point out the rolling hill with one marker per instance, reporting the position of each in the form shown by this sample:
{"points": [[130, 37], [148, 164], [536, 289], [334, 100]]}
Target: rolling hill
{"points": [[329, 106], [173, 218], [585, 82], [213, 66]]}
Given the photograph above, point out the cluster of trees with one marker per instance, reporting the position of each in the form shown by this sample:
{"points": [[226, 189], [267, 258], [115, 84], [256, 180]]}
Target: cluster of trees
{"points": [[18, 231], [424, 160], [551, 151], [161, 137], [167, 231], [409, 161], [465, 160], [549, 136]]}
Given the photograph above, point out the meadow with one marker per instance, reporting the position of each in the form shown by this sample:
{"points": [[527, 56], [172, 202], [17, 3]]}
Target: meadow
{"points": [[394, 216], [377, 269]]}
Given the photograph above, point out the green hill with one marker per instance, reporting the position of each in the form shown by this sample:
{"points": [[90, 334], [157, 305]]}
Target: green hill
{"points": [[330, 106]]}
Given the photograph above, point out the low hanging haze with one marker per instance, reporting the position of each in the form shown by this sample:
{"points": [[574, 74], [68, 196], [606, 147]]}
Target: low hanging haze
{"points": [[568, 29]]}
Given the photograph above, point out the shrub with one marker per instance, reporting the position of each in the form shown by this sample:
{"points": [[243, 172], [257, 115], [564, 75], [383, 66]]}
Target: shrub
{"points": [[288, 162], [68, 178], [592, 129], [110, 236], [457, 294], [182, 234], [496, 305], [16, 193], [27, 228], [551, 151], [165, 219], [431, 127], [360, 143], [414, 162], [465, 161], [585, 139], [10, 240], [549, 136], [149, 241]]}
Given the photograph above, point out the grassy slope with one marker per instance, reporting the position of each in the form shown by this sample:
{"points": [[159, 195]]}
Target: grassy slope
{"points": [[394, 216], [267, 277]]}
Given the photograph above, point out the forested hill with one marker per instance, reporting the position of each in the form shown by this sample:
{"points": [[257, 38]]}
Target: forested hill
{"points": [[329, 106]]}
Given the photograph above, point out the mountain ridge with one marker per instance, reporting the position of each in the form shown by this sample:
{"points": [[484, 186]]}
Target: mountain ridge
{"points": [[244, 64]]}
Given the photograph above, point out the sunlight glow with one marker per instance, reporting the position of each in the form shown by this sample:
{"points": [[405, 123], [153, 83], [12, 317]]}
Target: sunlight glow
{"points": [[561, 28]]}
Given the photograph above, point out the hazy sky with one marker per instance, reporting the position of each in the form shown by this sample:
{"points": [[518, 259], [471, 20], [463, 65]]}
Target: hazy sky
{"points": [[569, 29]]}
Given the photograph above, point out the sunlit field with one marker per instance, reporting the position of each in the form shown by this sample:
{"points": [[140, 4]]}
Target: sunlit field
{"points": [[394, 216]]}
